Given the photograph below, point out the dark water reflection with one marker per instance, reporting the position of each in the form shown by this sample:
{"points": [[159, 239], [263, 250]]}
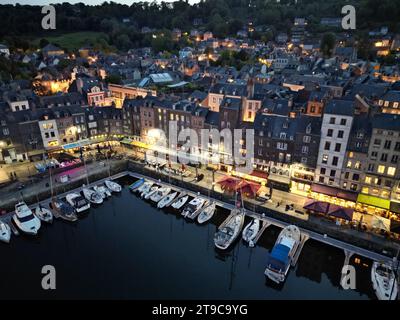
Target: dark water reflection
{"points": [[126, 248]]}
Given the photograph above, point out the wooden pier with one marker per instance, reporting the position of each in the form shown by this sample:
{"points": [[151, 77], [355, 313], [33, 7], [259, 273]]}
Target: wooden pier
{"points": [[265, 225], [303, 238], [228, 218], [13, 228], [311, 234]]}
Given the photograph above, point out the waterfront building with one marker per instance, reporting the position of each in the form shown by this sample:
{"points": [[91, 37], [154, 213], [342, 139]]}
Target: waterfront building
{"points": [[336, 125], [382, 174]]}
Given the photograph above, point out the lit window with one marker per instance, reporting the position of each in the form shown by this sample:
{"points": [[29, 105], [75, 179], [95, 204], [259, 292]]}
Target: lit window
{"points": [[348, 164], [391, 171], [368, 180], [381, 169]]}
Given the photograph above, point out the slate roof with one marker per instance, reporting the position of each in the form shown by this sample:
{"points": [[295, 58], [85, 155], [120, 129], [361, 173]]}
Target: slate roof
{"points": [[340, 107]]}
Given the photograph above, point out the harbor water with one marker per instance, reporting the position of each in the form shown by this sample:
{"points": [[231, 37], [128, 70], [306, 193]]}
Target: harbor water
{"points": [[128, 249]]}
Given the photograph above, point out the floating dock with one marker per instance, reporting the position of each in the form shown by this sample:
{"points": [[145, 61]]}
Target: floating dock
{"points": [[271, 221]]}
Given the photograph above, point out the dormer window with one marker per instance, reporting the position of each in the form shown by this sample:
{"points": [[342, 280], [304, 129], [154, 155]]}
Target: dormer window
{"points": [[286, 125], [308, 129]]}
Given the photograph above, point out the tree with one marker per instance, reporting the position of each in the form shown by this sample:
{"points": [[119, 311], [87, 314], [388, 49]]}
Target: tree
{"points": [[328, 44], [113, 78], [43, 43]]}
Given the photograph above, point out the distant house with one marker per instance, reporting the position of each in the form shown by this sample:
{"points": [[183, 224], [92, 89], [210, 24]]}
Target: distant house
{"points": [[197, 22], [331, 22], [176, 34], [348, 54], [281, 38], [242, 33], [4, 50], [207, 35], [185, 53], [52, 51]]}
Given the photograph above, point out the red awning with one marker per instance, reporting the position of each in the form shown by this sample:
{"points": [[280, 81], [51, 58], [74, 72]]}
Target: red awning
{"points": [[259, 174], [334, 192], [248, 188]]}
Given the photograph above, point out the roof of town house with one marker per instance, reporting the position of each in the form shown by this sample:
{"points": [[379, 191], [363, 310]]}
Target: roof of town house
{"points": [[368, 90], [386, 121], [276, 106], [70, 98], [273, 126], [318, 95], [360, 133], [340, 107], [231, 103], [392, 96], [200, 112], [212, 118], [229, 89], [303, 122], [198, 95], [51, 47]]}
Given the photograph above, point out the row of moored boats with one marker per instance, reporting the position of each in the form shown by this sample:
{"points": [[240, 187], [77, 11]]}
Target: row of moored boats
{"points": [[198, 208], [29, 220], [282, 254]]}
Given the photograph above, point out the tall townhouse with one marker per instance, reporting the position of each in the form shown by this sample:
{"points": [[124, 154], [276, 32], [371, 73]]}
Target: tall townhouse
{"points": [[336, 126], [355, 162], [383, 162], [305, 155]]}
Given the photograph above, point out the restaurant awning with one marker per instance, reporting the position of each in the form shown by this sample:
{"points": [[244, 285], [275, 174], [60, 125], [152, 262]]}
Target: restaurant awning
{"points": [[373, 201], [340, 212], [259, 174], [334, 192], [317, 206]]}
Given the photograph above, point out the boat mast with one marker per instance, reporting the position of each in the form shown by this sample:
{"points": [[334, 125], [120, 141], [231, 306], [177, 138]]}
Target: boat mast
{"points": [[395, 272]]}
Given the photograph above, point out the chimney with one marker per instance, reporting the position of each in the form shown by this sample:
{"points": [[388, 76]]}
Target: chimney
{"points": [[250, 88]]}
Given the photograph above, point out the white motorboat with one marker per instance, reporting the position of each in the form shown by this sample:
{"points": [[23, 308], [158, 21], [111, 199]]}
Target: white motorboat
{"points": [[280, 258], [64, 210], [160, 194], [152, 191], [25, 220], [91, 195], [113, 186], [193, 207], [250, 231], [179, 203], [145, 188], [43, 214], [384, 281], [206, 213], [224, 237], [5, 232], [102, 190], [166, 201], [78, 202]]}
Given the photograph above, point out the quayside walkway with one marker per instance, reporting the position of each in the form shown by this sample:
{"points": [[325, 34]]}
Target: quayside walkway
{"points": [[348, 249]]}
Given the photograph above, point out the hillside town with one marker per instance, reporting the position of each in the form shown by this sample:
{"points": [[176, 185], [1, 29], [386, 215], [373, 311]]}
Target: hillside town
{"points": [[327, 126]]}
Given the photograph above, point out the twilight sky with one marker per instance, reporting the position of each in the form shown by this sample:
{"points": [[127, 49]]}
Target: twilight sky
{"points": [[91, 2]]}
